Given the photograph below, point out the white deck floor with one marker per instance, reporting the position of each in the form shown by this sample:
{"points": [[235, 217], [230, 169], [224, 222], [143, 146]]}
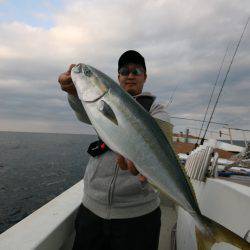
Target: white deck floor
{"points": [[168, 220]]}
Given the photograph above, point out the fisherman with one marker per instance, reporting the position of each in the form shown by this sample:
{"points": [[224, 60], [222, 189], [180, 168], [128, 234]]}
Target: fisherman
{"points": [[120, 209]]}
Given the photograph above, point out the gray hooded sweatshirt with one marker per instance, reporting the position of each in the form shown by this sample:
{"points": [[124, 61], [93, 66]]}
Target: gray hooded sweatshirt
{"points": [[110, 192]]}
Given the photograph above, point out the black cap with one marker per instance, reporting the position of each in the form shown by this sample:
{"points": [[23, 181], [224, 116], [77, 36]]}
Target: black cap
{"points": [[131, 56]]}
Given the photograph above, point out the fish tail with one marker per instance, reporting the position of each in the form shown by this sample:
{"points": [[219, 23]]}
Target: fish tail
{"points": [[209, 233]]}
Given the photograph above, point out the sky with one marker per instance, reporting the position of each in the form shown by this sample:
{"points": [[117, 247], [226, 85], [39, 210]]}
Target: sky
{"points": [[183, 43]]}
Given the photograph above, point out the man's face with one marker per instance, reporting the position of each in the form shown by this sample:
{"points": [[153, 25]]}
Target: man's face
{"points": [[132, 83]]}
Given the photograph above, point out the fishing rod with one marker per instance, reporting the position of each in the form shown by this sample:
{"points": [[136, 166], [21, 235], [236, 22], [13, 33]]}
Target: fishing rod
{"points": [[203, 138], [172, 97], [196, 120], [212, 93]]}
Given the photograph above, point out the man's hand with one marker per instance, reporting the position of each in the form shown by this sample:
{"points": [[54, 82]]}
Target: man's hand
{"points": [[66, 82], [125, 164]]}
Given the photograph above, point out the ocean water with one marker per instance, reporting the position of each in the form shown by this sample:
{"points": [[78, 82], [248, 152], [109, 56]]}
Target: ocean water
{"points": [[35, 168]]}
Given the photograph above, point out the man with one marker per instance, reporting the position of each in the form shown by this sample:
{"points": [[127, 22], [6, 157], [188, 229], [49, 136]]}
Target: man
{"points": [[120, 209]]}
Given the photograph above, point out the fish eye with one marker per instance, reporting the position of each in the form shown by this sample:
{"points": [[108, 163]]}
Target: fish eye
{"points": [[87, 72], [77, 69]]}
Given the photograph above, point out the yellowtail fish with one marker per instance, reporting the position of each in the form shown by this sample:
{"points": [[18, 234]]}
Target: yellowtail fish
{"points": [[128, 129]]}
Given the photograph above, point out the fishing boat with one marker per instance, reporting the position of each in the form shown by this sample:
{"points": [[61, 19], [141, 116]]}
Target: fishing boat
{"points": [[223, 200]]}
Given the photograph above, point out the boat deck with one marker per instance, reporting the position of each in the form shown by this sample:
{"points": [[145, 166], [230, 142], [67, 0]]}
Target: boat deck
{"points": [[168, 220]]}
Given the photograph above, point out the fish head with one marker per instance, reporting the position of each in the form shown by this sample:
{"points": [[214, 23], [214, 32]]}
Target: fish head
{"points": [[89, 84]]}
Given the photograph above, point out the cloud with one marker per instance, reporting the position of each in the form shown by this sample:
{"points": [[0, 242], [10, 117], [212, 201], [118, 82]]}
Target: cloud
{"points": [[183, 43]]}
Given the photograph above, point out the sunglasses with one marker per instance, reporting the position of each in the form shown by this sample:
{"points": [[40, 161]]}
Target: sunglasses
{"points": [[125, 71]]}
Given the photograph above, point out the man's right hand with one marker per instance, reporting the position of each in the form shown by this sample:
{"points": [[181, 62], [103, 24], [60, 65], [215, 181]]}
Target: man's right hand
{"points": [[125, 164], [66, 83]]}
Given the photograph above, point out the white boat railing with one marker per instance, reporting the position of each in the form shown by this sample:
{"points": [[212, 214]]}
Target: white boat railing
{"points": [[49, 227], [198, 163], [214, 166], [225, 197]]}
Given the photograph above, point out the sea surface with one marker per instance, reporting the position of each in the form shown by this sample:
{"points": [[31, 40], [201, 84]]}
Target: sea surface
{"points": [[35, 168]]}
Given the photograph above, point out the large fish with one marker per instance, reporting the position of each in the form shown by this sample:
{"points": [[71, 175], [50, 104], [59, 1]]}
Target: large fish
{"points": [[128, 129]]}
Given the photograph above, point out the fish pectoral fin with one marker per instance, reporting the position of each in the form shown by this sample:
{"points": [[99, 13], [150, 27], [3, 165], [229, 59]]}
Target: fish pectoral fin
{"points": [[107, 111]]}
